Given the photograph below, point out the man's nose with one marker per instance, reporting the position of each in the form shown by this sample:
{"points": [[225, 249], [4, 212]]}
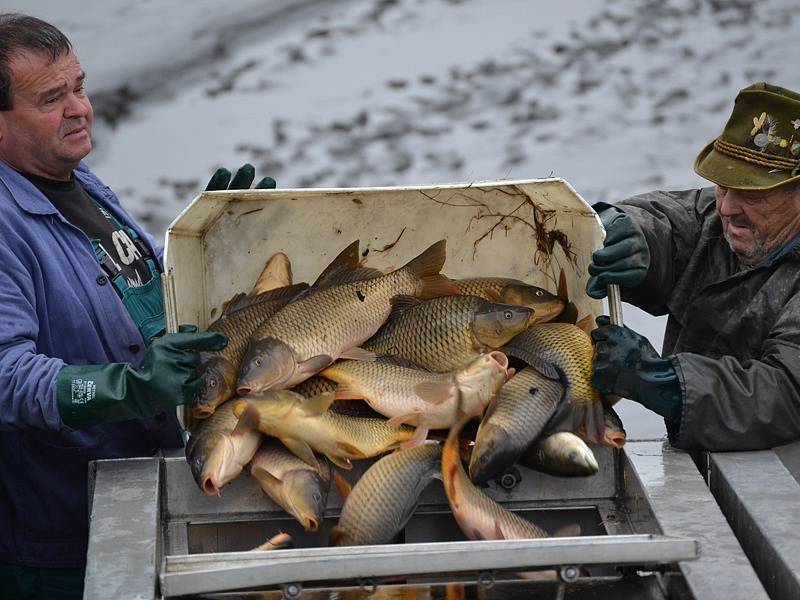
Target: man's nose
{"points": [[728, 203], [76, 106]]}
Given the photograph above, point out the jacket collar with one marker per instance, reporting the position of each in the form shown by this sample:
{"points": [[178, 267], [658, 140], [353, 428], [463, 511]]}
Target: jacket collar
{"points": [[23, 192]]}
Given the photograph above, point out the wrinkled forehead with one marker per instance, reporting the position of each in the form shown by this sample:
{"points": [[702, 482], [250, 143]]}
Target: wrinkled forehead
{"points": [[33, 71]]}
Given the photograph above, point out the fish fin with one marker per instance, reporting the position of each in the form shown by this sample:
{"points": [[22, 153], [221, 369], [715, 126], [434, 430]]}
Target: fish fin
{"points": [[348, 391], [347, 260], [436, 392], [315, 364], [302, 451], [590, 416], [429, 262], [336, 536], [586, 324], [242, 301], [340, 461], [402, 303], [561, 291], [435, 286], [280, 541], [317, 405], [572, 530], [419, 437], [265, 478], [489, 409], [409, 419], [544, 367], [358, 353], [568, 315], [342, 485], [277, 273], [249, 419]]}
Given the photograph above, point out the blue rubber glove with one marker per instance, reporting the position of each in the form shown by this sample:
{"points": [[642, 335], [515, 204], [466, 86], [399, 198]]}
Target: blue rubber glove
{"points": [[626, 364], [624, 257], [221, 180]]}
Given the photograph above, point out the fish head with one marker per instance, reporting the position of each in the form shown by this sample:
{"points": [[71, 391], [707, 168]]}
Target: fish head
{"points": [[217, 384], [495, 324], [546, 306], [492, 454], [305, 497], [482, 379], [268, 364], [583, 460], [213, 470], [572, 452]]}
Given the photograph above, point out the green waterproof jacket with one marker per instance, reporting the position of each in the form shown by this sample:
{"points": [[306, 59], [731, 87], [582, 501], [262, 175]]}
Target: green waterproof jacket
{"points": [[733, 333]]}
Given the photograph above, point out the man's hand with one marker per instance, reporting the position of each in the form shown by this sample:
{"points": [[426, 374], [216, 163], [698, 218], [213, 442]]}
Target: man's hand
{"points": [[626, 364], [93, 394], [221, 180], [624, 257]]}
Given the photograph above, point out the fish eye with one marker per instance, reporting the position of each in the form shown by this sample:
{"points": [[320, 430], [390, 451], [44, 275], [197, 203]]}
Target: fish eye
{"points": [[212, 382], [507, 314], [484, 459], [316, 496], [257, 362], [539, 293]]}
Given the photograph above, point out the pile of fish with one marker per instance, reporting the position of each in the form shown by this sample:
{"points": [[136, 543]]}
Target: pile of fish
{"points": [[364, 363]]}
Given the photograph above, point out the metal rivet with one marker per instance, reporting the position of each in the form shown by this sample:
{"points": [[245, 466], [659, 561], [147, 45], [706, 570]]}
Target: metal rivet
{"points": [[102, 280]]}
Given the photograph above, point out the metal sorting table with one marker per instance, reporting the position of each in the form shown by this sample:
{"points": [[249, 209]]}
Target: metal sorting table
{"points": [[759, 493], [153, 534]]}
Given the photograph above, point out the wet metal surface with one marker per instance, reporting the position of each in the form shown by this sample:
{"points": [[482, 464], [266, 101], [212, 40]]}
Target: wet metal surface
{"points": [[684, 506], [760, 497]]}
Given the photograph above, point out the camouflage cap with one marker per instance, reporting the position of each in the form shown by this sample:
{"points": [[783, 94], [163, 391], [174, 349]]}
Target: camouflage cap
{"points": [[759, 148]]}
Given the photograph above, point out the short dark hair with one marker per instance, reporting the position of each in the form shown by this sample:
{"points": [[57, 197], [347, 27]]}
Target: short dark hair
{"points": [[22, 32]]}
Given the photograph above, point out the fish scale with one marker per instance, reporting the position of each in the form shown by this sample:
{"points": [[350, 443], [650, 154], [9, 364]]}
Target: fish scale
{"points": [[436, 334], [351, 312], [570, 350], [522, 409], [478, 516], [384, 498]]}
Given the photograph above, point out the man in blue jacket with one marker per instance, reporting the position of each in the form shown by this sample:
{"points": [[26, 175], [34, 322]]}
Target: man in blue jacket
{"points": [[86, 371]]}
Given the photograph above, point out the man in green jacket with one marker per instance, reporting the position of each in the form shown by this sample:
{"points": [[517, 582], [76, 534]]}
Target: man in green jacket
{"points": [[724, 264]]}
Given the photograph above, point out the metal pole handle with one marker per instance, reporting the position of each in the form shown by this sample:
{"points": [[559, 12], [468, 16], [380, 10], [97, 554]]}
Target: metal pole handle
{"points": [[614, 304]]}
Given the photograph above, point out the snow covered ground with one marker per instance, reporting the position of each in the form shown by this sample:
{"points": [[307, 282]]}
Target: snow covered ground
{"points": [[615, 96]]}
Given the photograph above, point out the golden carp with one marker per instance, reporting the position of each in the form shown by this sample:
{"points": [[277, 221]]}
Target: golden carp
{"points": [[307, 335], [293, 484], [305, 425], [519, 414], [564, 351], [316, 385], [563, 454], [420, 398], [383, 500], [478, 516], [546, 306], [614, 433], [218, 449], [242, 316], [445, 334]]}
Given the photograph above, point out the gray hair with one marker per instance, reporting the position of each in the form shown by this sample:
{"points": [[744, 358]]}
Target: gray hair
{"points": [[20, 32]]}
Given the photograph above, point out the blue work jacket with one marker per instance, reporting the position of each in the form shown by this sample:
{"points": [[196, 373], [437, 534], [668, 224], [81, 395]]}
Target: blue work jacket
{"points": [[57, 308]]}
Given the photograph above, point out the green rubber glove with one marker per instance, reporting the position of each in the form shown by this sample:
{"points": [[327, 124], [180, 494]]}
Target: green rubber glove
{"points": [[624, 257], [221, 180], [626, 364], [93, 394]]}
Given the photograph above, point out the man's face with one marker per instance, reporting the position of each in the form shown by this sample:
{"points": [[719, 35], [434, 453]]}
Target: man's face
{"points": [[756, 223], [48, 129]]}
